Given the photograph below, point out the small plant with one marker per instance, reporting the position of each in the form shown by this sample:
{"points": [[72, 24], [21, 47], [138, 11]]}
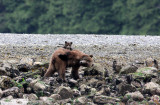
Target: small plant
{"points": [[19, 84], [7, 100], [40, 93], [128, 96]]}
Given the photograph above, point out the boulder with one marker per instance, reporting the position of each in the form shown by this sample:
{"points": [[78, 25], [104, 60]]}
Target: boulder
{"points": [[55, 96], [136, 96], [41, 64], [152, 88], [129, 69], [7, 101], [14, 91], [147, 71], [27, 60], [80, 101], [30, 96], [6, 82], [95, 70], [39, 86], [64, 92], [72, 82], [2, 71], [116, 67], [105, 100], [84, 89], [76, 93], [150, 62], [46, 101], [123, 88]]}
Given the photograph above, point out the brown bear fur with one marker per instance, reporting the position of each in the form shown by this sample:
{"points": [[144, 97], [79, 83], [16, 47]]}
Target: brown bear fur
{"points": [[63, 58]]}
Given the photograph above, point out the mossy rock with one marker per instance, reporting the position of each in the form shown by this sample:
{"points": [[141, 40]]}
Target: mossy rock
{"points": [[145, 72], [95, 70]]}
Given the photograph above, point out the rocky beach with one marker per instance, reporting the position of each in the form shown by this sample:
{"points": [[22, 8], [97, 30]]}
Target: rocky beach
{"points": [[121, 74]]}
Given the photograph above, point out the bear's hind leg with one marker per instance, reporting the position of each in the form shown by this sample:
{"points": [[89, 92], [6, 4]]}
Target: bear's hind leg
{"points": [[49, 73]]}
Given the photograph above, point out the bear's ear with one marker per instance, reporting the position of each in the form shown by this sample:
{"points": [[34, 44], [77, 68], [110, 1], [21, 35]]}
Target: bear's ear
{"points": [[65, 42], [63, 57], [71, 43], [91, 56]]}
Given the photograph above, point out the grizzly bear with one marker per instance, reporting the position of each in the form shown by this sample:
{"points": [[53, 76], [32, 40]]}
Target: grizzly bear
{"points": [[63, 58]]}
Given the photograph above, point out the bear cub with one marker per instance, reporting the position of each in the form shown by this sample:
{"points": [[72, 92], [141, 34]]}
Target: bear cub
{"points": [[68, 45]]}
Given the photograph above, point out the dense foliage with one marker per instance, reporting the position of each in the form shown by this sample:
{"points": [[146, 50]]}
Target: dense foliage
{"points": [[128, 17]]}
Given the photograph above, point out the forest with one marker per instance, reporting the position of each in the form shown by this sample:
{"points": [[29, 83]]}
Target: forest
{"points": [[110, 17]]}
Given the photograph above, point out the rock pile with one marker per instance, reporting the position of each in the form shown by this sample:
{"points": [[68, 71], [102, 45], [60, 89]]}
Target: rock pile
{"points": [[130, 85]]}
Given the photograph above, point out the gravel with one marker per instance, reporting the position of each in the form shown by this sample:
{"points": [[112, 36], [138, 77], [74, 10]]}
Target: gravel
{"points": [[50, 39], [105, 48]]}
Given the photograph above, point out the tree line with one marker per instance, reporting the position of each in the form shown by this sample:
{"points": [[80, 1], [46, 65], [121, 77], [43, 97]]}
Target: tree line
{"points": [[124, 17]]}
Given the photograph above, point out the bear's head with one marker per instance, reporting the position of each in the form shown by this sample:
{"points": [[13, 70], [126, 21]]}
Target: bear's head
{"points": [[86, 61]]}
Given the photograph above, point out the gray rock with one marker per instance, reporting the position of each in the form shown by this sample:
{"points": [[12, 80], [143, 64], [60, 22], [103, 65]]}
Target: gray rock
{"points": [[84, 89], [150, 62], [29, 80], [136, 96], [76, 93], [2, 71], [80, 101], [124, 88], [6, 82], [46, 101], [64, 101], [148, 71], [92, 81], [105, 100], [93, 91], [27, 60], [95, 70], [13, 61], [7, 65], [8, 101], [14, 91], [64, 92], [72, 82], [8, 97], [55, 96], [41, 64], [152, 88], [129, 69], [37, 85], [116, 67], [30, 96]]}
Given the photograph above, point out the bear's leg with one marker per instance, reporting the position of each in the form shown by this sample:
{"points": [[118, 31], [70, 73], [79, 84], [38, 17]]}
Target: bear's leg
{"points": [[75, 74], [50, 71], [61, 72]]}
